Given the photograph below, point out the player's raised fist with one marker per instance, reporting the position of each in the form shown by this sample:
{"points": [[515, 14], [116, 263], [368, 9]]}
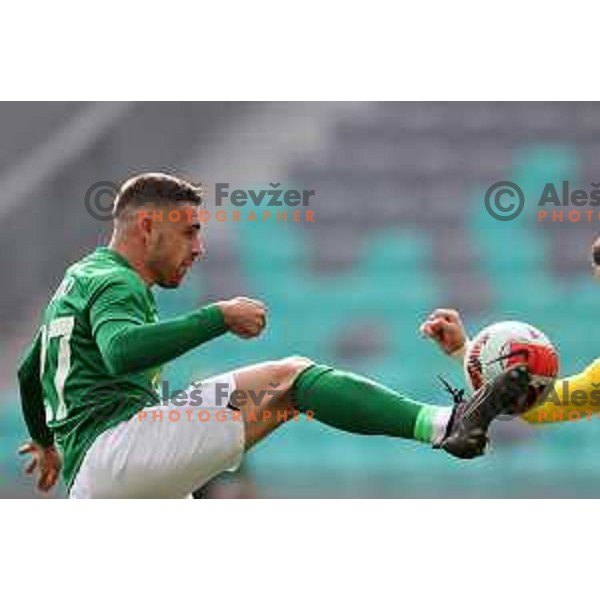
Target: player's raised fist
{"points": [[446, 328], [244, 317]]}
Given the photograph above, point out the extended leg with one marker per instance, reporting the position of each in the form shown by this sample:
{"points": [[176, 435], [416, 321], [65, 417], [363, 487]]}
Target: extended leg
{"points": [[359, 405], [343, 400]]}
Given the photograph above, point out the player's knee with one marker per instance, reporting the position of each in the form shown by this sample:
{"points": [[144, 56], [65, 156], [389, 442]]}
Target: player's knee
{"points": [[297, 364], [287, 369]]}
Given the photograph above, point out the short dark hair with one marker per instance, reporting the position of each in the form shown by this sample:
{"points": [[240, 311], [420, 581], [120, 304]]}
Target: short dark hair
{"points": [[155, 188]]}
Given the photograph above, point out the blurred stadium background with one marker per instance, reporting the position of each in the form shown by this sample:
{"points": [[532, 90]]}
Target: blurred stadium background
{"points": [[400, 228]]}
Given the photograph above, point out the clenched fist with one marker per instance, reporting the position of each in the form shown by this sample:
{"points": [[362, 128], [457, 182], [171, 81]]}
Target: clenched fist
{"points": [[244, 317], [446, 328]]}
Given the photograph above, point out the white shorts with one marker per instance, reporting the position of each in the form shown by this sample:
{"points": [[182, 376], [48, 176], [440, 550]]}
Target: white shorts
{"points": [[166, 451]]}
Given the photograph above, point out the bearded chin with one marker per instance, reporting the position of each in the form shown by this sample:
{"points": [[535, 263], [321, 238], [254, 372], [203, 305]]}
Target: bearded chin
{"points": [[168, 284]]}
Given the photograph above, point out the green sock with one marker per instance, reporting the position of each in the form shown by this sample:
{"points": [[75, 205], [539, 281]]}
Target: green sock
{"points": [[359, 405]]}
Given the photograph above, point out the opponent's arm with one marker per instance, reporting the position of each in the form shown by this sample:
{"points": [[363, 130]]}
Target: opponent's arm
{"points": [[579, 393], [128, 344], [445, 327]]}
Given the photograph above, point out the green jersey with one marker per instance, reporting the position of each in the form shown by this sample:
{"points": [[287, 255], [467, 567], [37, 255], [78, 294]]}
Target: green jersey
{"points": [[82, 398], [96, 358]]}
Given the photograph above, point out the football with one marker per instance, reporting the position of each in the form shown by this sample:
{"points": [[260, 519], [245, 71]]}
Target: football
{"points": [[506, 344]]}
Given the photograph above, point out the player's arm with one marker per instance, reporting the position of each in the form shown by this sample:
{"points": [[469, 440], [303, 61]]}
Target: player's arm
{"points": [[32, 399], [128, 344], [44, 456], [578, 395]]}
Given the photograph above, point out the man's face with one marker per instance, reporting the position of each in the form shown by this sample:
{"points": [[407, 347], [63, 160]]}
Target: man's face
{"points": [[173, 244]]}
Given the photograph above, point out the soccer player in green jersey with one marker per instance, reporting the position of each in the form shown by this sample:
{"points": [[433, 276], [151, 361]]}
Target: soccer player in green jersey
{"points": [[89, 382]]}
